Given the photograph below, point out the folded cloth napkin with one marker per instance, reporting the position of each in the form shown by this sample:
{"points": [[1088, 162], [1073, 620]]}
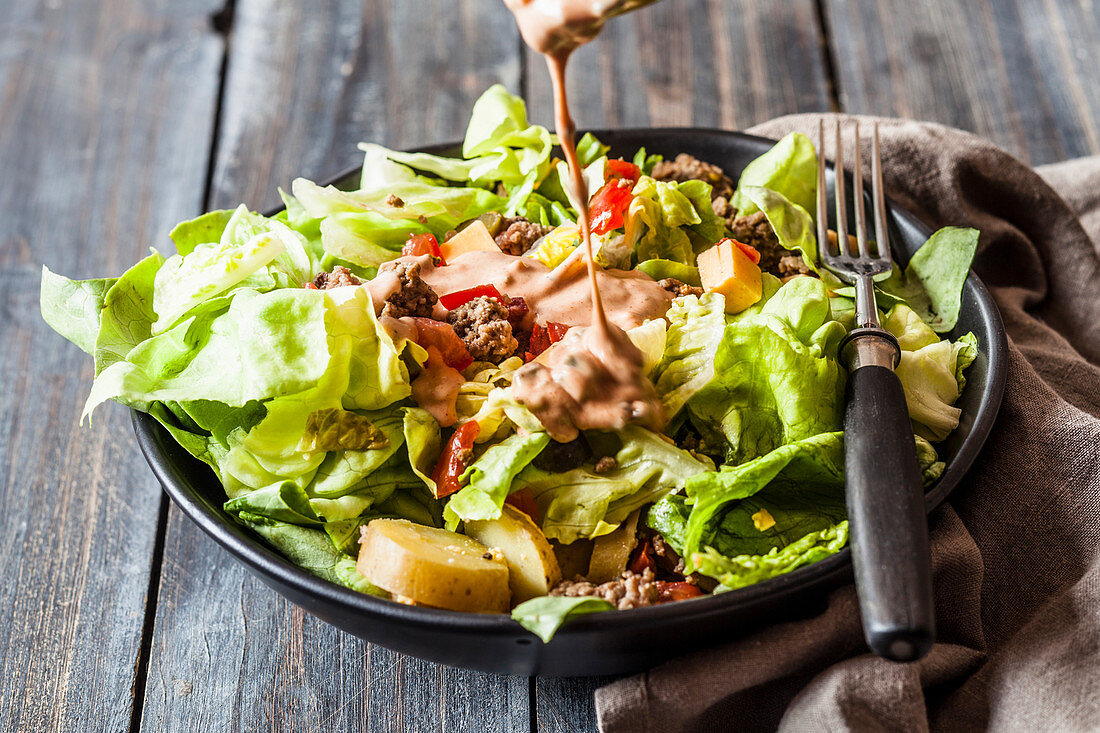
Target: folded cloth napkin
{"points": [[1016, 548]]}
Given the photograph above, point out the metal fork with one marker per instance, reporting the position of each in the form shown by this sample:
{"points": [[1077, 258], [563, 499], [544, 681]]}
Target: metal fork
{"points": [[885, 497]]}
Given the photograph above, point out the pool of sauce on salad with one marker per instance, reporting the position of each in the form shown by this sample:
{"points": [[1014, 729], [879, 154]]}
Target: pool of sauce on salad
{"points": [[592, 378]]}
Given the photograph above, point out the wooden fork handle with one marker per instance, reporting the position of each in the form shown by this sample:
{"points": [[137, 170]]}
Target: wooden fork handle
{"points": [[889, 528]]}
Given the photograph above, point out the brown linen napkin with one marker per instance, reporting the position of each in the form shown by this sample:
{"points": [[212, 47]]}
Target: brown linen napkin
{"points": [[1016, 549]]}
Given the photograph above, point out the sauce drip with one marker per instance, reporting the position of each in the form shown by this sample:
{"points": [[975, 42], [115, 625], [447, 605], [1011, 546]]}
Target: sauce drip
{"points": [[593, 378]]}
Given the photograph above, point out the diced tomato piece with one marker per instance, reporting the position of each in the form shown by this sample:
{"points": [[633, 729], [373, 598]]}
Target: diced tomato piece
{"points": [[310, 286], [642, 558], [622, 169], [443, 337], [451, 301], [673, 591], [607, 208], [524, 500], [517, 311], [542, 337], [455, 459], [423, 244], [749, 251], [556, 330]]}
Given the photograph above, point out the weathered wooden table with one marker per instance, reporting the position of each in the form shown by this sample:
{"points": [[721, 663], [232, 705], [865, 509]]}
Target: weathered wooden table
{"points": [[119, 118]]}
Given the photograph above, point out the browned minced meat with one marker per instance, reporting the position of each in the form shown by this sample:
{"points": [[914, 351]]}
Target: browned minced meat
{"points": [[792, 265], [756, 231], [482, 323], [685, 167], [339, 277], [414, 298], [667, 557], [607, 464], [517, 235], [631, 590], [679, 289], [395, 201]]}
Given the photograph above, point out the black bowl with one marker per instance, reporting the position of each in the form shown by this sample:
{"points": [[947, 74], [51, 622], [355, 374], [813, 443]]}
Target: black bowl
{"points": [[606, 643]]}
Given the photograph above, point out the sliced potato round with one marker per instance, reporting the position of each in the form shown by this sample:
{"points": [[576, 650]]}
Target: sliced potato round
{"points": [[434, 567], [534, 568]]}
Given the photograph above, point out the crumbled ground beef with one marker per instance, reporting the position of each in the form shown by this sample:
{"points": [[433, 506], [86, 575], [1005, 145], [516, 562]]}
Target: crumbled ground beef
{"points": [[629, 591], [689, 441], [607, 464], [756, 231], [414, 298], [517, 235], [395, 201], [482, 323], [667, 557], [678, 288], [687, 168], [339, 277], [792, 265]]}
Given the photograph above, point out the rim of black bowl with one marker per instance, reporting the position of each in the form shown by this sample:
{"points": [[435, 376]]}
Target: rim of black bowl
{"points": [[255, 553]]}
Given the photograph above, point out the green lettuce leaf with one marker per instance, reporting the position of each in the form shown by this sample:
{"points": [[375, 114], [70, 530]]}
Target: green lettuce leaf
{"points": [[933, 280], [696, 328], [311, 550], [127, 316], [254, 252], [582, 503], [72, 307], [710, 228], [756, 380], [656, 221], [202, 229], [741, 570], [806, 477], [789, 169], [793, 225], [933, 377], [543, 616], [660, 269], [489, 479], [231, 350]]}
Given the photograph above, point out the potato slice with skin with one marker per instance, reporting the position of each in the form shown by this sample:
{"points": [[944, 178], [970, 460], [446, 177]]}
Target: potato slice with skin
{"points": [[533, 566], [434, 567], [611, 552]]}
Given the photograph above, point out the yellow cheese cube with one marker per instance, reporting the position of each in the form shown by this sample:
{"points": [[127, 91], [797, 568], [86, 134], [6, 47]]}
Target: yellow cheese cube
{"points": [[763, 520], [726, 269], [473, 238]]}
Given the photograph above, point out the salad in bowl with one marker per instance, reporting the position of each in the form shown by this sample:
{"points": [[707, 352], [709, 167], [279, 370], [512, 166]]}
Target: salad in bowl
{"points": [[353, 370]]}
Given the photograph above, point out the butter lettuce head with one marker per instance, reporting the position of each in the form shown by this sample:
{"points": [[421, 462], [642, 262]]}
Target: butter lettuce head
{"points": [[799, 487], [788, 169], [763, 378], [671, 221], [582, 503]]}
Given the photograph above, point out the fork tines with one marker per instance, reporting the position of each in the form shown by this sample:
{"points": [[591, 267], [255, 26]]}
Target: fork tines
{"points": [[867, 256]]}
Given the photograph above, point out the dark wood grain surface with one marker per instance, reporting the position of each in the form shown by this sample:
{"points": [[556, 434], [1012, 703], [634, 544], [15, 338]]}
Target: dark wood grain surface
{"points": [[119, 118]]}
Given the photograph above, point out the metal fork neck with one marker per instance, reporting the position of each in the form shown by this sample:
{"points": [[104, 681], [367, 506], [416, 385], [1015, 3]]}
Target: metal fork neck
{"points": [[866, 309], [870, 347]]}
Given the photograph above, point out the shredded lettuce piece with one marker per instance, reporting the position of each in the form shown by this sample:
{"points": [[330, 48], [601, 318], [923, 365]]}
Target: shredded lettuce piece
{"points": [[545, 615]]}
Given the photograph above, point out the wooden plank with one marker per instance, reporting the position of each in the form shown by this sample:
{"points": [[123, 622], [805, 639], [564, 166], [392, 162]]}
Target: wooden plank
{"points": [[99, 162], [705, 63], [305, 83], [1019, 72]]}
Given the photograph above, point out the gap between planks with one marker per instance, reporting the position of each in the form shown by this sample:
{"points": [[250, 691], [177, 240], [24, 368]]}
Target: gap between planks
{"points": [[221, 21]]}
